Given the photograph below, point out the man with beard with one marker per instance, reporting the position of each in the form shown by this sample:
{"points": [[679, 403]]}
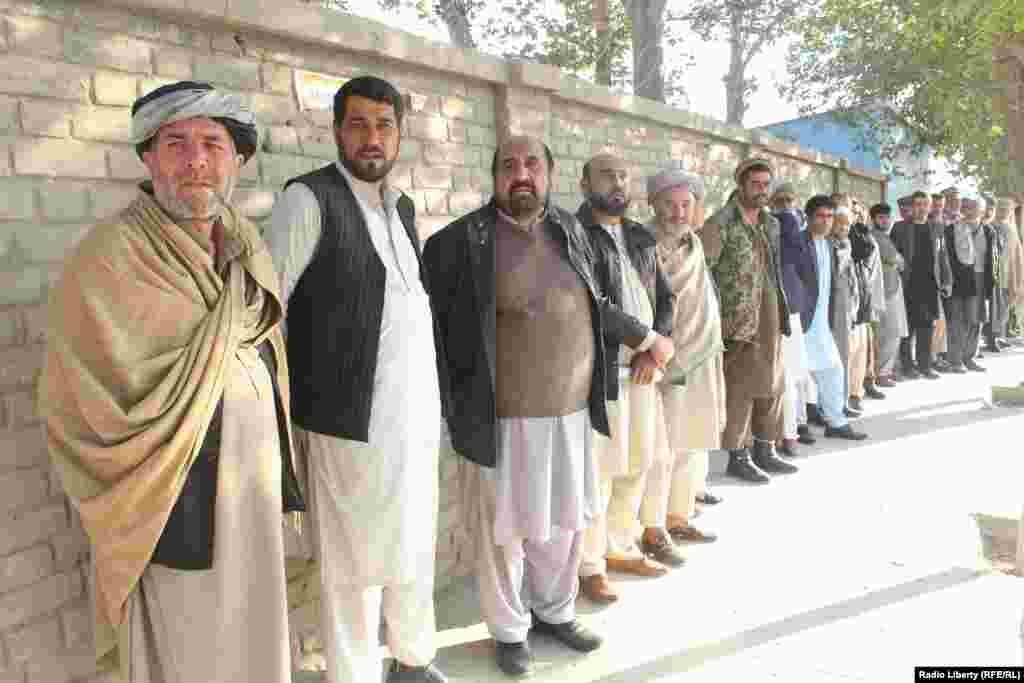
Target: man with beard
{"points": [[926, 278], [742, 245], [164, 396], [521, 313], [365, 391], [628, 269], [693, 389], [967, 301], [893, 324]]}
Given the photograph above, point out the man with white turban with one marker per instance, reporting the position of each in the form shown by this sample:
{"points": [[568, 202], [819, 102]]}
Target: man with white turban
{"points": [[165, 401]]}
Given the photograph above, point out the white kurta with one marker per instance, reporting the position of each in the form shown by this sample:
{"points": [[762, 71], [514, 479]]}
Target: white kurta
{"points": [[387, 488], [375, 503]]}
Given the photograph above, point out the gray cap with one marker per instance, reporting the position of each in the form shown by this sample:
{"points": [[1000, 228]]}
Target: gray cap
{"points": [[670, 178]]}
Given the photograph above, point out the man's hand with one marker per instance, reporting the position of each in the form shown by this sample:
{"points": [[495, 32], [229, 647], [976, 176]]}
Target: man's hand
{"points": [[662, 350], [645, 368]]}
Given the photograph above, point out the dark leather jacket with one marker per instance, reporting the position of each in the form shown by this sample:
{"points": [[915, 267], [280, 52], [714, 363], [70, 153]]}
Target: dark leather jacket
{"points": [[460, 262], [640, 245]]}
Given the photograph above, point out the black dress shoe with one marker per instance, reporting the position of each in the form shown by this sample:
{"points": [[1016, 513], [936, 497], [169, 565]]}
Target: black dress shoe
{"points": [[856, 404], [804, 435], [514, 659], [572, 634], [850, 412], [741, 467], [911, 374], [992, 349], [708, 498], [871, 392], [931, 374], [845, 432], [958, 369], [765, 457], [814, 416], [973, 367]]}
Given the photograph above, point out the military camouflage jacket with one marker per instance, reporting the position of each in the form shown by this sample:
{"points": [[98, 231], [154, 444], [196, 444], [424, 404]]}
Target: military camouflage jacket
{"points": [[742, 271]]}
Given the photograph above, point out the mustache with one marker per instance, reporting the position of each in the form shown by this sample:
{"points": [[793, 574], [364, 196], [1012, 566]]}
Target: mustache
{"points": [[523, 186], [370, 149]]}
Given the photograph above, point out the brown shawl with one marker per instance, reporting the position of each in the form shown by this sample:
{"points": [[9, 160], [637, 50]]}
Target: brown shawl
{"points": [[697, 321], [141, 329]]}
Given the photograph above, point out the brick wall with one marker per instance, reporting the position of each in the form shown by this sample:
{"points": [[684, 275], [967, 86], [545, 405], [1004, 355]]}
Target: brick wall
{"points": [[69, 71]]}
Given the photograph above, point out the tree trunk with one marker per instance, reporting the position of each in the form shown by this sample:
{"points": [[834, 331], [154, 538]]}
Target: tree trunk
{"points": [[735, 87], [456, 18], [648, 17], [603, 66]]}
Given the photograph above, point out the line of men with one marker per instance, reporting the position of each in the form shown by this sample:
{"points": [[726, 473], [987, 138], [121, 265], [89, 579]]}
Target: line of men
{"points": [[201, 379]]}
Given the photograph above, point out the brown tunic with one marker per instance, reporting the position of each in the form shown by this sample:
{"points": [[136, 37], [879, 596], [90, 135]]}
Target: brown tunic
{"points": [[545, 342]]}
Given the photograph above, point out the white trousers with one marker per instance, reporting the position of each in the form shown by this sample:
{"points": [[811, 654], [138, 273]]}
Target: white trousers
{"points": [[613, 532], [672, 488], [516, 578], [351, 626]]}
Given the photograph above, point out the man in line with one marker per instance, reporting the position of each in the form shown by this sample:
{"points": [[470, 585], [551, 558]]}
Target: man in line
{"points": [[741, 244], [893, 324], [965, 304], [693, 390], [165, 399], [506, 280], [950, 214], [825, 296], [361, 345], [628, 270], [1014, 261], [868, 269], [999, 301], [926, 279]]}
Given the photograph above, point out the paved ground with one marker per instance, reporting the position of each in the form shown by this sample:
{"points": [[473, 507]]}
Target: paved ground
{"points": [[857, 568]]}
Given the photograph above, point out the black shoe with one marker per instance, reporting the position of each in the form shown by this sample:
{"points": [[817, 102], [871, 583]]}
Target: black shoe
{"points": [[572, 634], [1003, 344], [765, 457], [804, 435], [846, 432], [814, 416], [850, 412], [911, 374], [400, 673], [708, 498], [989, 348], [941, 366], [856, 404], [871, 392], [787, 450], [741, 467], [514, 659], [663, 551], [958, 369], [931, 374], [974, 367]]}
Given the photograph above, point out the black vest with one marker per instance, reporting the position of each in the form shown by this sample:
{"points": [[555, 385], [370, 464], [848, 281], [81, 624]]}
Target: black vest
{"points": [[335, 311]]}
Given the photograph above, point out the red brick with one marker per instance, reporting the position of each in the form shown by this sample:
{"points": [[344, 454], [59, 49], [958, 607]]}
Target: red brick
{"points": [[39, 640], [22, 448], [25, 568], [24, 488], [20, 366], [26, 529], [40, 598]]}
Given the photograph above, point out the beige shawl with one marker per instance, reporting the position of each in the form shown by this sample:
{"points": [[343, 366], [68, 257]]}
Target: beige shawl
{"points": [[697, 322], [1014, 266], [141, 329]]}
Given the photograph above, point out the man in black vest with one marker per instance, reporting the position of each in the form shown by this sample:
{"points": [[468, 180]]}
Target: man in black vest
{"points": [[365, 391]]}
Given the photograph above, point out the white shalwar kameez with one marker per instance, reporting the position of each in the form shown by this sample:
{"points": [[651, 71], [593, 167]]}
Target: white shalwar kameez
{"points": [[375, 504]]}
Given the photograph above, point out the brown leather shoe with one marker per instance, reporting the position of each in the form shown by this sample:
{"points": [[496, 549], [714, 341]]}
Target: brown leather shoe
{"points": [[637, 566], [691, 534], [597, 588]]}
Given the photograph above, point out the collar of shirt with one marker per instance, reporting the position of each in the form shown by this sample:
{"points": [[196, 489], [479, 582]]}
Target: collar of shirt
{"points": [[388, 196], [529, 228]]}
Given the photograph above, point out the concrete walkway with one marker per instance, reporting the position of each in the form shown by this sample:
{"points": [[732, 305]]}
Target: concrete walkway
{"points": [[857, 568]]}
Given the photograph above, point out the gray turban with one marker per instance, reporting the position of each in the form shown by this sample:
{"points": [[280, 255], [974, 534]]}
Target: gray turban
{"points": [[190, 99], [671, 178]]}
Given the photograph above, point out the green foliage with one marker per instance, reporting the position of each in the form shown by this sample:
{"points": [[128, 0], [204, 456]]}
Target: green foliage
{"points": [[923, 65]]}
